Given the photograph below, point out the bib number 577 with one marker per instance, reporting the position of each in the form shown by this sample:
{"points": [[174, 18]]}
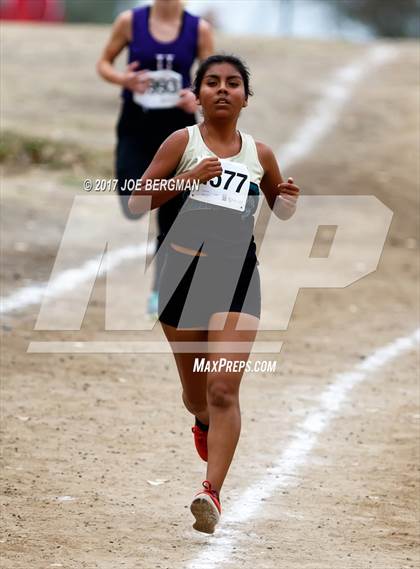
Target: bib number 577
{"points": [[240, 180]]}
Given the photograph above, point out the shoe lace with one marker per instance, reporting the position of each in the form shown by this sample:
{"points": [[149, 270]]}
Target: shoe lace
{"points": [[208, 488]]}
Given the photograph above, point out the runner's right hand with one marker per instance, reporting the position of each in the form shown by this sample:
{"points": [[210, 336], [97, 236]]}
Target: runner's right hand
{"points": [[207, 169], [136, 81]]}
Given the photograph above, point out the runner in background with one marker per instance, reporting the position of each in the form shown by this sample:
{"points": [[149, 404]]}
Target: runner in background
{"points": [[163, 42]]}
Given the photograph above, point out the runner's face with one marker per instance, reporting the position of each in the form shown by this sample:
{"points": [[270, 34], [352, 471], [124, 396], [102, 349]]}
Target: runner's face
{"points": [[222, 91]]}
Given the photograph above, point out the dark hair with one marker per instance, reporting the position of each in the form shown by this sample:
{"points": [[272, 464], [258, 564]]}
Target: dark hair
{"points": [[222, 58]]}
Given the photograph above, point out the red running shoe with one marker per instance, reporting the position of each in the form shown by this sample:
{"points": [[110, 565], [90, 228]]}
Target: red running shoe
{"points": [[200, 439], [206, 509]]}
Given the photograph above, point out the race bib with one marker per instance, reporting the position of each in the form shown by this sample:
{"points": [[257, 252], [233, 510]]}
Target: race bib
{"points": [[163, 92], [228, 190]]}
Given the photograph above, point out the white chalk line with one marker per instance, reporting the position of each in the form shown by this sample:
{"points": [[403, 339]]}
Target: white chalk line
{"points": [[71, 278], [324, 114], [295, 455], [321, 118]]}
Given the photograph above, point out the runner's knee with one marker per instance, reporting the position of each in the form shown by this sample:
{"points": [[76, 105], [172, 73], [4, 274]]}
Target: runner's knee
{"points": [[221, 394]]}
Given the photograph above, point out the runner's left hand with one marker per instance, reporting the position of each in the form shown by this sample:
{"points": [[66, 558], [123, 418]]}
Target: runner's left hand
{"points": [[187, 101], [289, 193]]}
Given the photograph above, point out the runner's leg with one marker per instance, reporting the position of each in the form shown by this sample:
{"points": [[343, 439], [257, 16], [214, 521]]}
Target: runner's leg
{"points": [[194, 384], [223, 393]]}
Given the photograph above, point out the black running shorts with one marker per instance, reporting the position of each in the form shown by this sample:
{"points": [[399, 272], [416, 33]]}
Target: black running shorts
{"points": [[193, 288]]}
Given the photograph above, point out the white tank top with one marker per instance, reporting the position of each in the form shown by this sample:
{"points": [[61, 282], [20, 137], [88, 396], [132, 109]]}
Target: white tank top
{"points": [[197, 149], [224, 231]]}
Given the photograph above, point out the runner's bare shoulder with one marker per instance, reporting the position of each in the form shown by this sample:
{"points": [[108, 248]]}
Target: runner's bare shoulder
{"points": [[123, 24], [265, 154], [170, 152], [176, 142]]}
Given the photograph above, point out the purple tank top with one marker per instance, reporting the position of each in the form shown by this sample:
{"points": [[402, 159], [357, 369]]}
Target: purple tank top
{"points": [[180, 54]]}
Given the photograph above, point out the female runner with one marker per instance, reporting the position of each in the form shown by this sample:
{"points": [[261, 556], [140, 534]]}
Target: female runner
{"points": [[163, 41], [209, 296]]}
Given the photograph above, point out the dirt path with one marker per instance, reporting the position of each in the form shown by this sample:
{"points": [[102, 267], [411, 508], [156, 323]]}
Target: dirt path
{"points": [[97, 428]]}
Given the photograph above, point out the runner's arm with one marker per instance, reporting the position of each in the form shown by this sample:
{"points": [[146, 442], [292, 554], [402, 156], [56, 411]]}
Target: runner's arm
{"points": [[188, 101], [120, 38], [163, 166], [273, 185], [205, 40]]}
